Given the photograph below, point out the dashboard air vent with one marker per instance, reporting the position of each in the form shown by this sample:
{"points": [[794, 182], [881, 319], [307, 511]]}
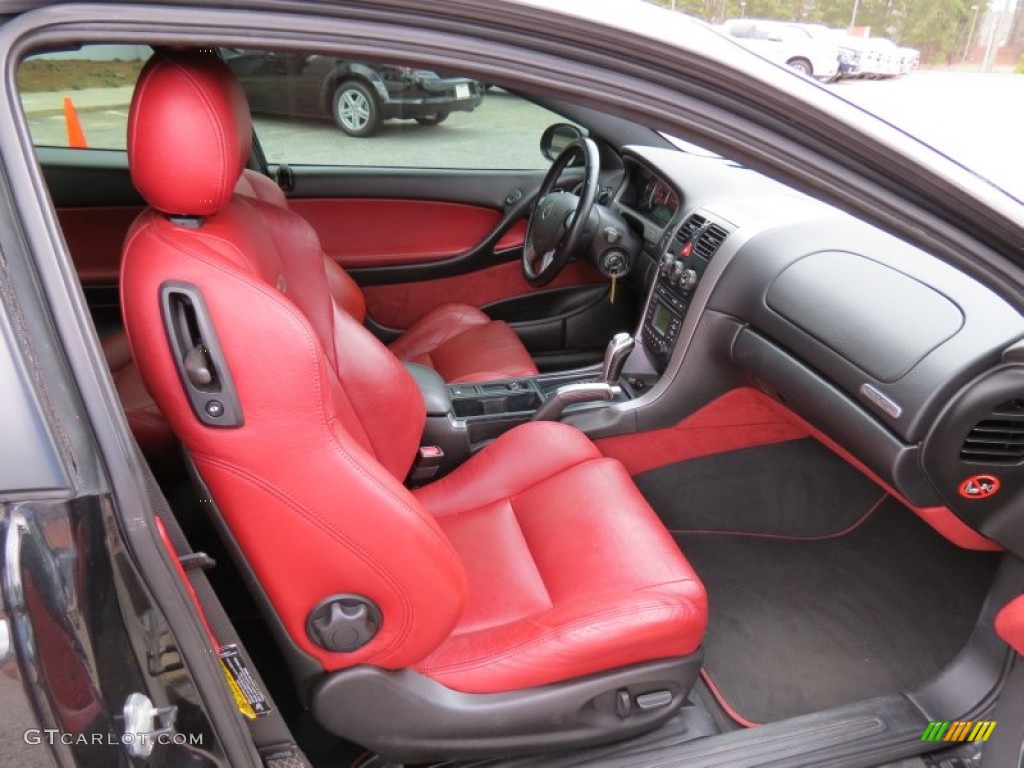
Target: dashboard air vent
{"points": [[999, 440], [690, 226], [709, 241]]}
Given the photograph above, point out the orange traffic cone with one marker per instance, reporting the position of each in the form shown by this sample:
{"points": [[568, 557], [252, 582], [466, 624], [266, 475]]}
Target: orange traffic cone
{"points": [[76, 137]]}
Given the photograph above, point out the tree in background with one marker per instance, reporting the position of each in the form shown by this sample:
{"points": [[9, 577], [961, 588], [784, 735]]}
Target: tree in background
{"points": [[937, 27], [870, 13]]}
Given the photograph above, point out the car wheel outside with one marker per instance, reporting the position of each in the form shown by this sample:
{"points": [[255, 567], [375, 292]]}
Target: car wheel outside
{"points": [[356, 109], [803, 66], [435, 119]]}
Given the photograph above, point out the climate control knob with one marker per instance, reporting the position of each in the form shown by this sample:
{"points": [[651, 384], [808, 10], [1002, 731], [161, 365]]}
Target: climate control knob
{"points": [[676, 271], [665, 264], [687, 280]]}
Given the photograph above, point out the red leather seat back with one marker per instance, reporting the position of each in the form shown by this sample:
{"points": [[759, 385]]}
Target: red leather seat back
{"points": [[343, 288], [311, 483]]}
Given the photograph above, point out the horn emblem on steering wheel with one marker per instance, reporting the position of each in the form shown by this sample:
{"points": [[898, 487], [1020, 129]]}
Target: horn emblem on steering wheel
{"points": [[546, 209]]}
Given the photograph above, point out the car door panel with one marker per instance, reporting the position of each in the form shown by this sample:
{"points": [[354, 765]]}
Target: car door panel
{"points": [[398, 305], [376, 232], [94, 235], [413, 239], [489, 189], [482, 270]]}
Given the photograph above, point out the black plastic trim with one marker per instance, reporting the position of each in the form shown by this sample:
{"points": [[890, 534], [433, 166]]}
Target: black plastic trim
{"points": [[804, 391], [303, 668], [192, 337], [109, 183], [547, 305], [408, 717], [841, 328], [862, 735], [30, 463], [970, 683], [822, 291], [344, 622], [998, 516], [453, 185]]}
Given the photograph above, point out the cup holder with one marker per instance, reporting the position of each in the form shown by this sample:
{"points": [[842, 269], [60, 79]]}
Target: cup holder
{"points": [[501, 404]]}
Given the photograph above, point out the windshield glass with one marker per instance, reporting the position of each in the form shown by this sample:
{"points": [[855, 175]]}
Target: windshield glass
{"points": [[949, 74]]}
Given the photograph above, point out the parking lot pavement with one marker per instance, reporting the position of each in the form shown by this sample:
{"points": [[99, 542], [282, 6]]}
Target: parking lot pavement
{"points": [[974, 118]]}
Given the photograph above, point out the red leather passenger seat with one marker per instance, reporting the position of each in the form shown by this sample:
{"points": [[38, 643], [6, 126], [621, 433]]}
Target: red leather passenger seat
{"points": [[535, 571], [458, 341], [568, 569]]}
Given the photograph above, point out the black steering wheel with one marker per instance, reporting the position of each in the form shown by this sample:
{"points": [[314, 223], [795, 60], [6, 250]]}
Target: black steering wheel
{"points": [[558, 218]]}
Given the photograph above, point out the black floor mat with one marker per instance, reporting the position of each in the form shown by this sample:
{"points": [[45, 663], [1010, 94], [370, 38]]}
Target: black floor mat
{"points": [[802, 624], [797, 488]]}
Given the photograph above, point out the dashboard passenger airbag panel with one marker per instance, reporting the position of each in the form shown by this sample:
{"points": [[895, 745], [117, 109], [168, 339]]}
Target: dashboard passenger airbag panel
{"points": [[883, 321]]}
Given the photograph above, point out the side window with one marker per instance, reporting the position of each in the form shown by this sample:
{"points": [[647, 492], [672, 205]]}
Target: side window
{"points": [[80, 98], [308, 109], [311, 109]]}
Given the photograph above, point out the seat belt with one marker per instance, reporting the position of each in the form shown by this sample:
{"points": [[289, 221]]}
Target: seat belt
{"points": [[1005, 749], [270, 734]]}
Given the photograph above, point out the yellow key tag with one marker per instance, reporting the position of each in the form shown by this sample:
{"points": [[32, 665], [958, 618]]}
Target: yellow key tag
{"points": [[611, 293]]}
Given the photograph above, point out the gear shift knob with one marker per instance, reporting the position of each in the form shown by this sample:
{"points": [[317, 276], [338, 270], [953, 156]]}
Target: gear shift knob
{"points": [[615, 357]]}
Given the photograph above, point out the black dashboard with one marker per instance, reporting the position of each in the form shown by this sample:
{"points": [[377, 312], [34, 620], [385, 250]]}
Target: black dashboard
{"points": [[914, 368]]}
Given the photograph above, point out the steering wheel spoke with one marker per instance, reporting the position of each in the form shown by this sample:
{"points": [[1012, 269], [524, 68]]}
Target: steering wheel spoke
{"points": [[547, 260]]}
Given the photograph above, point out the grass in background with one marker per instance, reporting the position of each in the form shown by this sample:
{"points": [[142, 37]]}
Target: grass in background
{"points": [[75, 74]]}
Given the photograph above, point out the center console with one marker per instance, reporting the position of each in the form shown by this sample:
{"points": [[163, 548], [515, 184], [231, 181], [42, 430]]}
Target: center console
{"points": [[686, 257], [461, 418]]}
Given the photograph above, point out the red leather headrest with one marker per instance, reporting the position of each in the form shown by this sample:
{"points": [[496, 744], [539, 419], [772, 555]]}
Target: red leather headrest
{"points": [[189, 132]]}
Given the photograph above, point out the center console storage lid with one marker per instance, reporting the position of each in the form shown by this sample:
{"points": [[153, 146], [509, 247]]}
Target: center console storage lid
{"points": [[435, 393]]}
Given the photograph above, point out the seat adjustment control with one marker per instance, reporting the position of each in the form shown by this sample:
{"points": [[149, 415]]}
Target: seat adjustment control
{"points": [[343, 623], [623, 706], [197, 368], [645, 702], [197, 355]]}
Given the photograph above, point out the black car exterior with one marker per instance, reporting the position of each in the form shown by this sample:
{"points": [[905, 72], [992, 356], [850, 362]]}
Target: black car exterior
{"points": [[360, 97]]}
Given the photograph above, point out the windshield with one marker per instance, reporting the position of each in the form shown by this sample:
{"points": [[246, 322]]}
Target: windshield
{"points": [[954, 79], [949, 74]]}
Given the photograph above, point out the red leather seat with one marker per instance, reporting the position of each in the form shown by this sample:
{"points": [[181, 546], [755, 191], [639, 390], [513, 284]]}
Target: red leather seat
{"points": [[535, 571], [458, 341], [568, 568], [148, 425]]}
